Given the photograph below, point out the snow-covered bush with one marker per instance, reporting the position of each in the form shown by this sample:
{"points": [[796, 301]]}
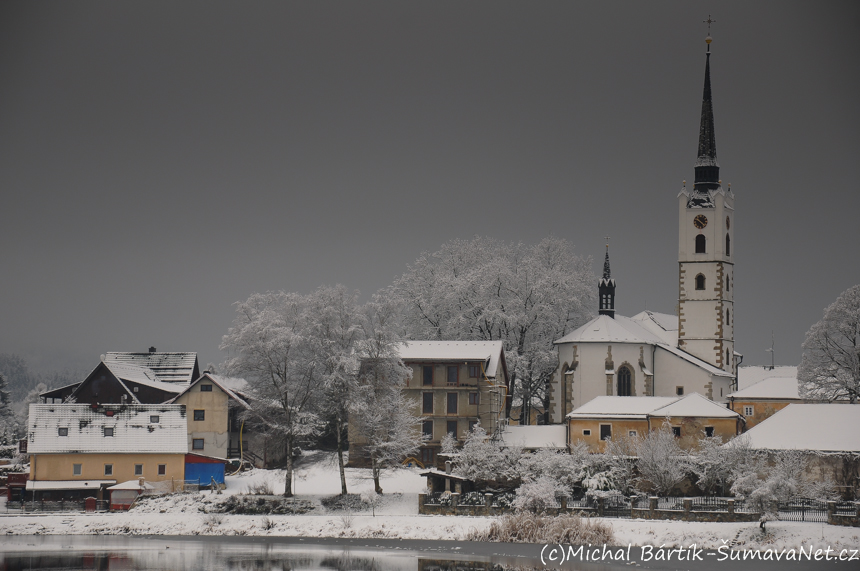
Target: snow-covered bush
{"points": [[537, 495], [567, 470], [449, 443], [717, 465]]}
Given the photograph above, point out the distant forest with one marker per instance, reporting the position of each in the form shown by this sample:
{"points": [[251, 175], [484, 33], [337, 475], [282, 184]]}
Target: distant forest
{"points": [[22, 381]]}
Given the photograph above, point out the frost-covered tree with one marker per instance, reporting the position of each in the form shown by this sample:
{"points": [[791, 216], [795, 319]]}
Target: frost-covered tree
{"points": [[717, 465], [830, 367], [271, 345], [621, 458], [382, 416], [566, 470], [485, 289], [537, 495], [486, 463], [661, 462], [335, 328]]}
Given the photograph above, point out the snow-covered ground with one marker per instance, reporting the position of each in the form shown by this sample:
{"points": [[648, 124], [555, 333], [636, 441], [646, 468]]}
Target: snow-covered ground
{"points": [[396, 517]]}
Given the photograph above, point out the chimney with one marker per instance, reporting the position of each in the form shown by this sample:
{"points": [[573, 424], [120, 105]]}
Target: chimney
{"points": [[152, 349]]}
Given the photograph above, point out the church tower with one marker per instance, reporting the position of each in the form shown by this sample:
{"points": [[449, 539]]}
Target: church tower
{"points": [[606, 289], [706, 314]]}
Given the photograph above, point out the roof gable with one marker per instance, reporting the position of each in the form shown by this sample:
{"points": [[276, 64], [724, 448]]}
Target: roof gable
{"points": [[221, 382]]}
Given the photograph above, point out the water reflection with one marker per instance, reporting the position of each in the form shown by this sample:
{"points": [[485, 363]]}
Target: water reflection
{"points": [[120, 553]]}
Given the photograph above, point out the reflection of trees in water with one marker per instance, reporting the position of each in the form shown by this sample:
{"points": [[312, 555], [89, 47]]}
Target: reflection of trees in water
{"points": [[347, 562], [447, 565]]}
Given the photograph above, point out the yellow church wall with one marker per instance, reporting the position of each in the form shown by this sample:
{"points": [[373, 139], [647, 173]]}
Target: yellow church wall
{"points": [[762, 410], [61, 466]]}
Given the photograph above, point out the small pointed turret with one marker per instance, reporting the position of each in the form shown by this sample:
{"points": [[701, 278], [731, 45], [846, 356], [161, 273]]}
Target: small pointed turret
{"points": [[606, 289], [707, 168]]}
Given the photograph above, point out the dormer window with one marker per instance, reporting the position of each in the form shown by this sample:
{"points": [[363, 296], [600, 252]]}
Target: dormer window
{"points": [[154, 419]]}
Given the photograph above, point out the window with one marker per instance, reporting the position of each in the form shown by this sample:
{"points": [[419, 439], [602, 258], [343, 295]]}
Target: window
{"points": [[727, 283], [728, 246], [474, 371], [748, 411], [605, 431], [624, 384], [709, 431], [199, 415], [154, 419], [452, 403], [108, 469], [679, 391], [676, 430], [727, 319], [472, 425], [205, 388], [631, 433], [473, 398], [451, 428], [700, 244], [428, 456], [197, 444], [700, 281], [108, 431], [77, 469], [427, 404], [138, 469], [136, 389], [162, 469], [586, 432], [427, 428], [63, 431], [427, 375], [453, 374]]}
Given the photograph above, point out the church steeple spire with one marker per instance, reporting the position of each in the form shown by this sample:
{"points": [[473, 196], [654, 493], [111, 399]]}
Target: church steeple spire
{"points": [[606, 288], [707, 168]]}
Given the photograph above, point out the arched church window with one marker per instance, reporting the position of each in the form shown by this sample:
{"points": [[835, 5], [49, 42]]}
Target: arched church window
{"points": [[700, 281], [624, 382], [700, 244], [728, 361], [727, 317], [727, 283], [728, 245]]}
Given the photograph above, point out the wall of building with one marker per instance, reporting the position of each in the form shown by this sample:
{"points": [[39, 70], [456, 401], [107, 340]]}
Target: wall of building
{"points": [[620, 428], [214, 428], [762, 410], [60, 466]]}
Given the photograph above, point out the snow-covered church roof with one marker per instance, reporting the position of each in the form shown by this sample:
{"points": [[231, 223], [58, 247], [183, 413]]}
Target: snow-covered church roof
{"points": [[490, 352], [647, 328], [818, 427]]}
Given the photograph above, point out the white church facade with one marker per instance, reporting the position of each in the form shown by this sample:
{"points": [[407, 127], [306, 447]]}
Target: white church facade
{"points": [[655, 354]]}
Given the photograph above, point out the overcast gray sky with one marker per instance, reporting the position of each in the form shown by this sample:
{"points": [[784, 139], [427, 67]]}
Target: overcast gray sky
{"points": [[162, 160]]}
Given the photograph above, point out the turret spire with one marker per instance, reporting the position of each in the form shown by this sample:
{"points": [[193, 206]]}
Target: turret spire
{"points": [[707, 168], [606, 288]]}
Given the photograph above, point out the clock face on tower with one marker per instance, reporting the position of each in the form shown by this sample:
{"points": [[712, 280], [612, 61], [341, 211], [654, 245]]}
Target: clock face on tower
{"points": [[700, 221]]}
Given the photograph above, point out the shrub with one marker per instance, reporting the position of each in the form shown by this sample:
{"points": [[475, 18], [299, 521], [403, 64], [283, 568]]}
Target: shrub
{"points": [[526, 527]]}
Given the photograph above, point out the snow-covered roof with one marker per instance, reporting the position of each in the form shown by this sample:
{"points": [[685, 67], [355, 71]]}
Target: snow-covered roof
{"points": [[133, 433], [620, 407], [142, 376], [170, 367], [779, 388], [694, 405], [490, 352], [750, 375], [647, 327], [531, 437], [820, 427], [93, 485], [223, 384], [133, 485]]}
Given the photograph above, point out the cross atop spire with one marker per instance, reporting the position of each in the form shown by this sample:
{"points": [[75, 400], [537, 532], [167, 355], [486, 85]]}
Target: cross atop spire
{"points": [[707, 168]]}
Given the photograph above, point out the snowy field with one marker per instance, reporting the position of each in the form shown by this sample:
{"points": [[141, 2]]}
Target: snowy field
{"points": [[396, 517]]}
